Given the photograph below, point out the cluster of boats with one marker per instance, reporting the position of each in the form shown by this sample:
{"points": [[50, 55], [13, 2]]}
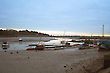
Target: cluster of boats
{"points": [[53, 44]]}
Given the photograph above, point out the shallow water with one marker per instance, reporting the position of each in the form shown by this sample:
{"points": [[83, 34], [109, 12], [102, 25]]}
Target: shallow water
{"points": [[18, 45], [14, 44]]}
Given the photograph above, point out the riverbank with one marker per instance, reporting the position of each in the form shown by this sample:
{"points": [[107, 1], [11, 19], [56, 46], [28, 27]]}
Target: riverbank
{"points": [[59, 61]]}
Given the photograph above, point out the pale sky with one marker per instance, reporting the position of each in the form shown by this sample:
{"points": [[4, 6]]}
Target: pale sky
{"points": [[74, 17]]}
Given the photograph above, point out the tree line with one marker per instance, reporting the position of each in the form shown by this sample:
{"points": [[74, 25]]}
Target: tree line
{"points": [[15, 33]]}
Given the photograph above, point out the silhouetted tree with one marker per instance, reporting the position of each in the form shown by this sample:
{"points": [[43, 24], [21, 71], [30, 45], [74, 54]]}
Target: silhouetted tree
{"points": [[14, 33]]}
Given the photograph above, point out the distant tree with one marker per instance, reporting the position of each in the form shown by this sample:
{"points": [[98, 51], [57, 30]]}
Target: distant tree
{"points": [[11, 32]]}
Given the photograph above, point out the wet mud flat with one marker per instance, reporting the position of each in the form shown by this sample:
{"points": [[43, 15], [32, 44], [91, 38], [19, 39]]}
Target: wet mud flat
{"points": [[58, 61]]}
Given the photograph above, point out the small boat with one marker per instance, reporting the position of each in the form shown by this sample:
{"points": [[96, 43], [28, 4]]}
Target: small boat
{"points": [[20, 39], [5, 45], [37, 47]]}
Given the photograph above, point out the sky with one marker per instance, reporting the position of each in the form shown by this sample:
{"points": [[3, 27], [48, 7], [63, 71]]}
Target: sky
{"points": [[56, 17]]}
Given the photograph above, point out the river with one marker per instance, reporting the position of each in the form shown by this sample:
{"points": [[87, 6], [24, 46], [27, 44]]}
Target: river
{"points": [[15, 44]]}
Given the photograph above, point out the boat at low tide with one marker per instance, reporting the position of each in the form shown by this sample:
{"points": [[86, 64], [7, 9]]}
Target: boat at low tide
{"points": [[5, 45], [37, 47]]}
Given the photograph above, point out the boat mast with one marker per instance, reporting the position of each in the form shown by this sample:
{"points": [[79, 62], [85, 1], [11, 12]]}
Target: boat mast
{"points": [[102, 30]]}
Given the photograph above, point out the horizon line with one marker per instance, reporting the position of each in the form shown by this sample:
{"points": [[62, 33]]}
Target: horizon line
{"points": [[59, 33]]}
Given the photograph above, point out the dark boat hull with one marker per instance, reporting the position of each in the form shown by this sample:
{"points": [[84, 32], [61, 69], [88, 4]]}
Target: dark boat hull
{"points": [[38, 47]]}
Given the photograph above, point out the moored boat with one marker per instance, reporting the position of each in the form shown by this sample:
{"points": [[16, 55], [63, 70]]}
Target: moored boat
{"points": [[20, 39], [37, 47], [5, 45]]}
